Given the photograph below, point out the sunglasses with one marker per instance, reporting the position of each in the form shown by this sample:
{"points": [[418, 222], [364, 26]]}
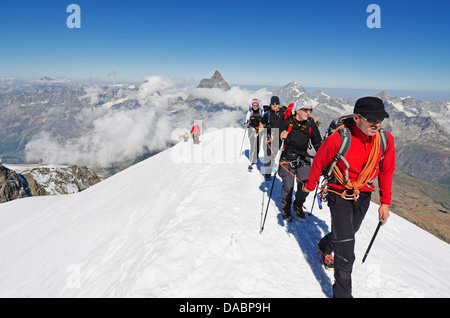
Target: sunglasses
{"points": [[307, 110], [372, 121]]}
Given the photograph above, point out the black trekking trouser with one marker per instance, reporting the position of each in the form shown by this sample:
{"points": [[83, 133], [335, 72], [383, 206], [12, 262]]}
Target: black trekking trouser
{"points": [[346, 219], [289, 181]]}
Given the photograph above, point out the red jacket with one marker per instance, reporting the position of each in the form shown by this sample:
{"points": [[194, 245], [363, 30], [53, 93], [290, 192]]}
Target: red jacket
{"points": [[195, 130], [356, 156]]}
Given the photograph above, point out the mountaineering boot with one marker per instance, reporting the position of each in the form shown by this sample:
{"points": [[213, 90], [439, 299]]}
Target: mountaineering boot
{"points": [[299, 211], [327, 259], [250, 167], [287, 216]]}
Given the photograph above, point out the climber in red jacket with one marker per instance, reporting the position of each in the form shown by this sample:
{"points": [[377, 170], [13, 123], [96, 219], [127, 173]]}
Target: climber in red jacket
{"points": [[349, 200], [195, 131]]}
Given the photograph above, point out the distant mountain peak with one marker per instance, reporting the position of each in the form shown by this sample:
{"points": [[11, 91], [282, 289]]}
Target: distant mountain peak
{"points": [[295, 86], [383, 95], [216, 81], [290, 93], [217, 75], [292, 83]]}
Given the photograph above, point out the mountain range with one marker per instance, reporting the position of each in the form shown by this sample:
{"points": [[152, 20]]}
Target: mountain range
{"points": [[111, 127]]}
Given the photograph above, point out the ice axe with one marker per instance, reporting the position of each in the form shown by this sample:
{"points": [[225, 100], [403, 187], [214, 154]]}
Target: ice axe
{"points": [[373, 239]]}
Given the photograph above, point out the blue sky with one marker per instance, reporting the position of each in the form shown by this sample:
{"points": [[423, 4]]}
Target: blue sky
{"points": [[322, 43]]}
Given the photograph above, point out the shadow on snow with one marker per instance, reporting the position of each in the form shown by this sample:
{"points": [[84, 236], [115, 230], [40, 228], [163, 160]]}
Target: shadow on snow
{"points": [[308, 232]]}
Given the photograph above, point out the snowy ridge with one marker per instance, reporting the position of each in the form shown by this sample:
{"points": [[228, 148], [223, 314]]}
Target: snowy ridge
{"points": [[185, 223]]}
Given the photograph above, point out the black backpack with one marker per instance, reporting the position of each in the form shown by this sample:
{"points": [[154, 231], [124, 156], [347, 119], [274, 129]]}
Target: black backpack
{"points": [[255, 118]]}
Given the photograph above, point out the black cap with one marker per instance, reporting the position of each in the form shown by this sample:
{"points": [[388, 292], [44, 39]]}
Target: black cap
{"points": [[274, 100], [371, 108]]}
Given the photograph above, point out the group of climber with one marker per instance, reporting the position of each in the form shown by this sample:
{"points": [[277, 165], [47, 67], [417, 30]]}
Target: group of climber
{"points": [[296, 130], [369, 155]]}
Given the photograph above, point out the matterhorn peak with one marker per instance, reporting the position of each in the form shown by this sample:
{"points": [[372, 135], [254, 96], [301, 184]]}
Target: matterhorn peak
{"points": [[217, 75], [216, 81]]}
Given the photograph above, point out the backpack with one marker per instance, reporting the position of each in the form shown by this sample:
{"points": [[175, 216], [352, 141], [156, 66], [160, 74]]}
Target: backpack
{"points": [[288, 111], [341, 125], [254, 117]]}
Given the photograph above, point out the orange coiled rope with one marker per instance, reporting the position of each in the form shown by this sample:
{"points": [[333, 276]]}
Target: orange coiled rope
{"points": [[367, 172], [365, 176]]}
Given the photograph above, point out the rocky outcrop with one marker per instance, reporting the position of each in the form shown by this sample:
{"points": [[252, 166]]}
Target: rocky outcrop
{"points": [[45, 180], [54, 180], [12, 186], [216, 81]]}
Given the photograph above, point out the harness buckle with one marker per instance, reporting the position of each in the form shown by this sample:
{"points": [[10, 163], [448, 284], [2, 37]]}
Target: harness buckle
{"points": [[350, 196]]}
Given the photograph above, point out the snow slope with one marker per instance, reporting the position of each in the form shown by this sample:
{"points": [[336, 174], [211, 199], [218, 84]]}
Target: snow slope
{"points": [[185, 223]]}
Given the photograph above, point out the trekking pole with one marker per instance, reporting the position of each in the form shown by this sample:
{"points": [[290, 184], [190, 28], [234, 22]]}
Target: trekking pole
{"points": [[371, 241], [274, 175], [243, 139], [268, 202]]}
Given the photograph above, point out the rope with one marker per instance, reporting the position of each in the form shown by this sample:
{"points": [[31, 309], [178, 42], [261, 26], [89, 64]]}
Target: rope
{"points": [[367, 172]]}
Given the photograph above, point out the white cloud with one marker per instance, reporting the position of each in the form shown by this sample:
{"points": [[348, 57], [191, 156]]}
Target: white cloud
{"points": [[118, 135], [235, 97], [123, 134]]}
